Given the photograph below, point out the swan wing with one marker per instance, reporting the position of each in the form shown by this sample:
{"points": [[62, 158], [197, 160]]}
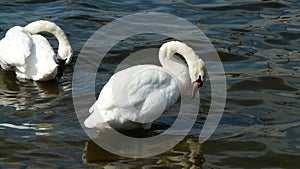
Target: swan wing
{"points": [[15, 47], [153, 106], [42, 64], [140, 94], [150, 91]]}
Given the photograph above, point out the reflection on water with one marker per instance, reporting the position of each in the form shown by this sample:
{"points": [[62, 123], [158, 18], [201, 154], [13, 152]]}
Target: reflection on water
{"points": [[41, 129], [187, 154], [258, 43], [27, 94]]}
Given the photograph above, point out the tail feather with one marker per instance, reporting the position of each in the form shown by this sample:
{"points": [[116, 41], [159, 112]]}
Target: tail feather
{"points": [[95, 120]]}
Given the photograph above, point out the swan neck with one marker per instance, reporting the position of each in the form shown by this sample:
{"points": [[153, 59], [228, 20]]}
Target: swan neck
{"points": [[174, 65], [64, 47]]}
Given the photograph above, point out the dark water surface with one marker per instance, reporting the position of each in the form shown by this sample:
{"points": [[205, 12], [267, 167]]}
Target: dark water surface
{"points": [[258, 43]]}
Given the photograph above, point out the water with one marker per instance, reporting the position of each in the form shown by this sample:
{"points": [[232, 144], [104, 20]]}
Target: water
{"points": [[258, 43]]}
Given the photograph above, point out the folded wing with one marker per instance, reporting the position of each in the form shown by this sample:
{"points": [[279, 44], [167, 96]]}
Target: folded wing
{"points": [[15, 47]]}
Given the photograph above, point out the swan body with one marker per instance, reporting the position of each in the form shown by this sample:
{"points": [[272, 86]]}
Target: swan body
{"points": [[30, 55], [135, 97]]}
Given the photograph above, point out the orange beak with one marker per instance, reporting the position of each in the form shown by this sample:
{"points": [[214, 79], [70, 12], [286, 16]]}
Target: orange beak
{"points": [[196, 85]]}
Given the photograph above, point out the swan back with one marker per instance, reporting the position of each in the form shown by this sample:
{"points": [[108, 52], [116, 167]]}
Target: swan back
{"points": [[42, 56], [64, 49], [15, 48]]}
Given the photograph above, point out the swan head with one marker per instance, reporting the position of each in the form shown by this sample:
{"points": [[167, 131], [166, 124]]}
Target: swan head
{"points": [[65, 54], [197, 75]]}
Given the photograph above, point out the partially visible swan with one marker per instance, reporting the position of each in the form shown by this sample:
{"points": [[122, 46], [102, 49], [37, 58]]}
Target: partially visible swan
{"points": [[30, 55], [135, 97]]}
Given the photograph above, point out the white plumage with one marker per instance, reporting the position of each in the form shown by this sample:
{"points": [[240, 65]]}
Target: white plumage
{"points": [[30, 55], [136, 96]]}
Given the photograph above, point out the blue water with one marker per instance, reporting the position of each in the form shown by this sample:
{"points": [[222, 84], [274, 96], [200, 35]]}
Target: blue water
{"points": [[258, 43]]}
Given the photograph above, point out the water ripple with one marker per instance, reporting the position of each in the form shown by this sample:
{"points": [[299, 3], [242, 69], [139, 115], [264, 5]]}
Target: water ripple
{"points": [[258, 43]]}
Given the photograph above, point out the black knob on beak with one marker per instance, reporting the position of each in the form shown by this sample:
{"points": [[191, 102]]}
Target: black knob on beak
{"points": [[60, 68], [200, 82]]}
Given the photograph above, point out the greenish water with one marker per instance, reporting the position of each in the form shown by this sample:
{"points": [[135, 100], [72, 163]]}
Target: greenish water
{"points": [[258, 43]]}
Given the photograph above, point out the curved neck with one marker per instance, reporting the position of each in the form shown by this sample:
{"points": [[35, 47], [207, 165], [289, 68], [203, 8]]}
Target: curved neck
{"points": [[175, 66], [64, 47]]}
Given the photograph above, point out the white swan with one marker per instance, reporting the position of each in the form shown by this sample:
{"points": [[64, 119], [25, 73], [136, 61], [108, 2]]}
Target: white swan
{"points": [[136, 96], [30, 55]]}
